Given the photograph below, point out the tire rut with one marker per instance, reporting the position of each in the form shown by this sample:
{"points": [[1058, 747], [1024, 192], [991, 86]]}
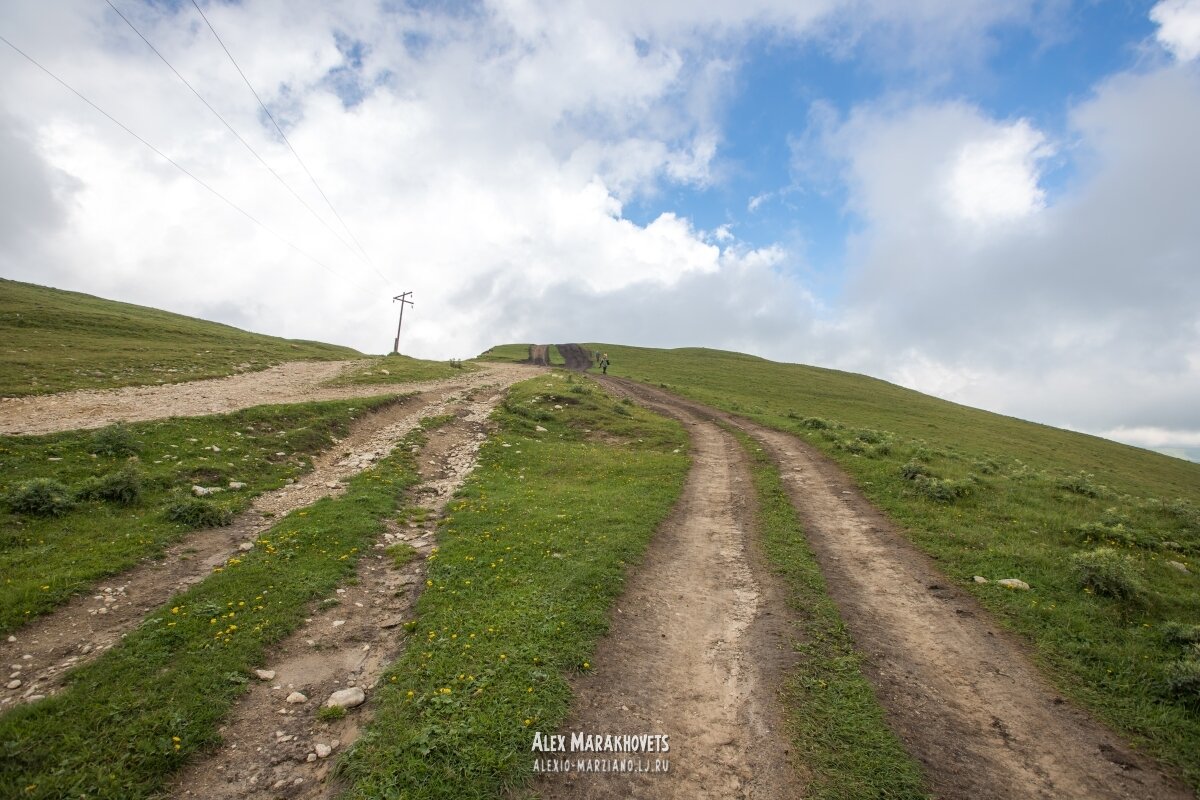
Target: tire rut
{"points": [[272, 748], [49, 647], [964, 696], [698, 644]]}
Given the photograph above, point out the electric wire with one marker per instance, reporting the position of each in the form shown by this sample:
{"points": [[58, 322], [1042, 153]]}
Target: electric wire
{"points": [[283, 136], [237, 135], [172, 161]]}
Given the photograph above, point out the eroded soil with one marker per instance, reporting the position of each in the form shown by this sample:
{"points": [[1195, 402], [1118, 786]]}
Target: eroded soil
{"points": [[963, 695], [273, 748], [697, 648], [293, 382]]}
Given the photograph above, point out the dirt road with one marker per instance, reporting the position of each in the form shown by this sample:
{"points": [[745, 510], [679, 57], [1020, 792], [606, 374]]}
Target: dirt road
{"points": [[90, 624], [698, 644], [293, 382], [962, 694], [539, 355], [575, 356], [274, 749]]}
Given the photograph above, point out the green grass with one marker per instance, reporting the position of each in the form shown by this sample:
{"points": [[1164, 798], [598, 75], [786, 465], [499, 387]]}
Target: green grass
{"points": [[510, 353], [130, 718], [554, 357], [53, 341], [392, 369], [995, 496], [44, 560], [835, 723], [531, 556]]}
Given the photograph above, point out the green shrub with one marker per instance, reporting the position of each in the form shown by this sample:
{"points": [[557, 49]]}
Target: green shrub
{"points": [[196, 512], [115, 440], [1080, 484], [44, 497], [941, 491], [913, 470], [1106, 572], [1183, 679], [123, 486], [1181, 633], [815, 423], [331, 713], [871, 436]]}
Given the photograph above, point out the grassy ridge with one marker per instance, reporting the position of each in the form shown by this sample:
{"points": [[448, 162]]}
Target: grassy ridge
{"points": [[835, 722], [44, 560], [998, 497], [530, 558], [512, 353], [56, 341], [394, 369], [130, 718]]}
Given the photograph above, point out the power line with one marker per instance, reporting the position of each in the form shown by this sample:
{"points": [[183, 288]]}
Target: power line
{"points": [[217, 114], [170, 160], [283, 135]]}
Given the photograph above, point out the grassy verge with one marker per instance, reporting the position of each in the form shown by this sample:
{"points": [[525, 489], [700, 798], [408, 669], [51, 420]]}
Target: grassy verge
{"points": [[55, 341], [392, 369], [511, 353], [834, 721], [130, 718], [999, 497], [119, 485], [530, 558]]}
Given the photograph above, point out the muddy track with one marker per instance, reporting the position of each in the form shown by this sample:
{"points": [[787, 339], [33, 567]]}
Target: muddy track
{"points": [[699, 642], [962, 694], [90, 624], [576, 358], [539, 355], [272, 748], [293, 382]]}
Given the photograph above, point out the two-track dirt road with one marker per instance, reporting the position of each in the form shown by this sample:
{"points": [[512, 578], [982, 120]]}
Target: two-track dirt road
{"points": [[963, 695]]}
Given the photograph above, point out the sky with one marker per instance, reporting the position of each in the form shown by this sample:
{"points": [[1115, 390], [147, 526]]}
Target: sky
{"points": [[994, 202]]}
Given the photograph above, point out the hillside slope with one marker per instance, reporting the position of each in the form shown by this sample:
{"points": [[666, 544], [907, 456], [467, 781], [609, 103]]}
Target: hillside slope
{"points": [[1107, 535], [55, 341]]}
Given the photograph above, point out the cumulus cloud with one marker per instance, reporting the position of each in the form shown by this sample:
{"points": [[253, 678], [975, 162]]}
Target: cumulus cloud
{"points": [[1178, 27]]}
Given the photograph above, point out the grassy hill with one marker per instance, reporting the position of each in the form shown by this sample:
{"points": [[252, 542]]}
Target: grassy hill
{"points": [[55, 341], [1107, 535]]}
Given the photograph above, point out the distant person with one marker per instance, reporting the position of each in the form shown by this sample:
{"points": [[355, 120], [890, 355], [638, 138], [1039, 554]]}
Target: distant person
{"points": [[604, 363]]}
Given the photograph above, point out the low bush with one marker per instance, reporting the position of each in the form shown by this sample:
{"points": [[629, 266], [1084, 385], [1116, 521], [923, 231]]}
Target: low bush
{"points": [[1081, 484], [939, 490], [1104, 571], [123, 486], [1181, 633], [1183, 679], [115, 441], [43, 497], [196, 512]]}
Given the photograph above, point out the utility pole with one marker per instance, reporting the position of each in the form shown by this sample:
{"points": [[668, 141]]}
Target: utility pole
{"points": [[403, 298]]}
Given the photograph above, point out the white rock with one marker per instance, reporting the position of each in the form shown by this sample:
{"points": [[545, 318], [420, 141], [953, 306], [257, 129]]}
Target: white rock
{"points": [[981, 579], [332, 485], [1179, 565], [1014, 583], [346, 698], [235, 485], [14, 684], [265, 674], [337, 623], [205, 491], [539, 429], [246, 547], [311, 757], [323, 750], [12, 639], [296, 697]]}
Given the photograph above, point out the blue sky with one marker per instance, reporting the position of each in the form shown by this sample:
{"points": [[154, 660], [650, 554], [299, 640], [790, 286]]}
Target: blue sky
{"points": [[991, 202]]}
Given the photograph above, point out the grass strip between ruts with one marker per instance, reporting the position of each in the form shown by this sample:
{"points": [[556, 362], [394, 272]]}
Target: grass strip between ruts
{"points": [[833, 719], [130, 718], [531, 557]]}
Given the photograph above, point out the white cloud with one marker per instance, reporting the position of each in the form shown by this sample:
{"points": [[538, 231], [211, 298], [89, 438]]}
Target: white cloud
{"points": [[996, 178], [1178, 27]]}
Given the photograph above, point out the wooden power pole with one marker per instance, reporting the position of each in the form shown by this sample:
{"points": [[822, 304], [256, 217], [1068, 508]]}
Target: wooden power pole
{"points": [[403, 298]]}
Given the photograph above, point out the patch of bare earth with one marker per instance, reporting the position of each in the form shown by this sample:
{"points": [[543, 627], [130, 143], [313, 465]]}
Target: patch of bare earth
{"points": [[273, 748], [539, 354], [293, 382], [699, 642], [88, 625], [962, 694]]}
